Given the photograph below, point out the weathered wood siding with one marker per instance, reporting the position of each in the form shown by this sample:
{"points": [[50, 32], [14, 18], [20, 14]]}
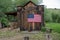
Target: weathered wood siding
{"points": [[27, 9]]}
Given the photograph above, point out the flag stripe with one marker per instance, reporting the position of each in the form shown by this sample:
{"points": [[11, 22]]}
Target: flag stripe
{"points": [[37, 18]]}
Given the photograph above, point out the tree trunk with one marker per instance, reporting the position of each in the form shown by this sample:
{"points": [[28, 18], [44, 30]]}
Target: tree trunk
{"points": [[0, 25]]}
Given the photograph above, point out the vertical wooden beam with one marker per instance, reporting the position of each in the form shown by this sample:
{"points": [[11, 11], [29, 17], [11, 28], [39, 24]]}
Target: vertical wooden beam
{"points": [[33, 25], [41, 9], [42, 12], [18, 21], [19, 9]]}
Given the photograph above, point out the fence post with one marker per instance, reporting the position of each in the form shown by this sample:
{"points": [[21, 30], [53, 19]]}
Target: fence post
{"points": [[26, 38], [48, 36]]}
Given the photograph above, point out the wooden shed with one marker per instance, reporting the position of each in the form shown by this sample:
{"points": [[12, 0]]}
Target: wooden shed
{"points": [[28, 10]]}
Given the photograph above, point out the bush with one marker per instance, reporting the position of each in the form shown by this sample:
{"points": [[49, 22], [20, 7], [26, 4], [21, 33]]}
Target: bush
{"points": [[58, 18], [3, 19], [52, 15], [47, 16], [43, 29]]}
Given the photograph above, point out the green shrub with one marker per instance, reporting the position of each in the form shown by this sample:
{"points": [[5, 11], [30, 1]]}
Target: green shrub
{"points": [[54, 26], [43, 29], [58, 19], [52, 15], [3, 19], [47, 15]]}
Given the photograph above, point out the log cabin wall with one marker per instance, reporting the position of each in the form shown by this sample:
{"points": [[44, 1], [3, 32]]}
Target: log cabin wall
{"points": [[30, 8]]}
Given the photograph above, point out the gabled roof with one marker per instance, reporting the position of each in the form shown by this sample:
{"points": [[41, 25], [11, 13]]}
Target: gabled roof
{"points": [[30, 2]]}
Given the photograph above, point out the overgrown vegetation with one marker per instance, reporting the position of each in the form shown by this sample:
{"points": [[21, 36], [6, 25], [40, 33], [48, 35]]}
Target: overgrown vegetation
{"points": [[3, 19], [11, 5], [52, 15], [54, 26]]}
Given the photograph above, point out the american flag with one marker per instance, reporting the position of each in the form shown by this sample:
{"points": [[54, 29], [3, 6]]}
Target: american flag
{"points": [[34, 18]]}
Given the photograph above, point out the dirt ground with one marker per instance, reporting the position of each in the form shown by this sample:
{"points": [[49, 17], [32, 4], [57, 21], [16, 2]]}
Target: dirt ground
{"points": [[16, 34], [17, 37]]}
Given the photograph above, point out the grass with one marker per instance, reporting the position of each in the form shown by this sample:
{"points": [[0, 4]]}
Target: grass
{"points": [[54, 26], [40, 36], [4, 33]]}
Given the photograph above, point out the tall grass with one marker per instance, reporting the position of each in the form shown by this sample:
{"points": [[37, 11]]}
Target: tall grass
{"points": [[54, 26]]}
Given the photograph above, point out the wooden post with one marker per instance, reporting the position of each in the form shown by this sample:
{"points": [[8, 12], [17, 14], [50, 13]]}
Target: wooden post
{"points": [[26, 38], [28, 26], [33, 24], [48, 35]]}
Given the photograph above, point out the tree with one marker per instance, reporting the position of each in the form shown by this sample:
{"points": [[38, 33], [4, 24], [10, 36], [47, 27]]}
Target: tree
{"points": [[47, 15], [10, 5]]}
